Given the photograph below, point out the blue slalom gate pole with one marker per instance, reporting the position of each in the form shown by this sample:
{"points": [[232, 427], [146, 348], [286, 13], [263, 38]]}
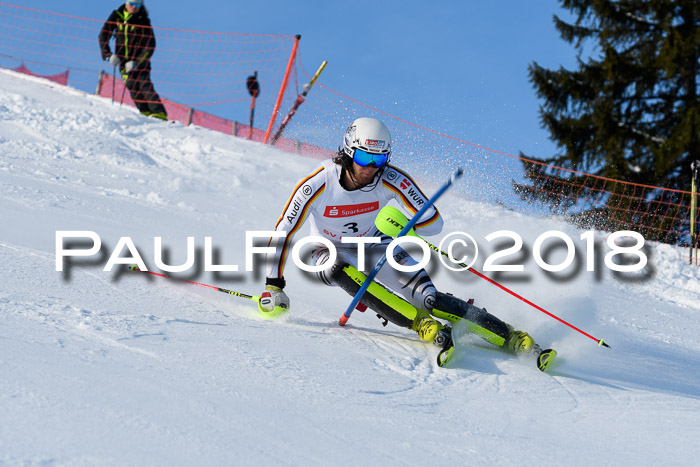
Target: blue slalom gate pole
{"points": [[373, 273]]}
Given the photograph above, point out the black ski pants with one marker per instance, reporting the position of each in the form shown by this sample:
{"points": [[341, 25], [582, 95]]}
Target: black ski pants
{"points": [[144, 95]]}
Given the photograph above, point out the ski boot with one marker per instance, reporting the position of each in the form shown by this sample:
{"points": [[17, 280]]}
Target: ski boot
{"points": [[428, 329], [441, 335], [520, 342], [444, 340]]}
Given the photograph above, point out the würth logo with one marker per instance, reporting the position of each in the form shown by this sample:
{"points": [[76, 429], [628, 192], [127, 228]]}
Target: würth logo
{"points": [[350, 209], [405, 184]]}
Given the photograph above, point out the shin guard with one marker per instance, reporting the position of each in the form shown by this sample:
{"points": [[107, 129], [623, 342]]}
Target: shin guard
{"points": [[479, 321], [388, 305]]}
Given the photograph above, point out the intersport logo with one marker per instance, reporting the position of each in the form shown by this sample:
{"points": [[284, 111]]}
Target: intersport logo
{"points": [[350, 209]]}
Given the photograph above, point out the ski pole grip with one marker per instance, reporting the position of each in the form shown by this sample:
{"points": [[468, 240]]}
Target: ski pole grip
{"points": [[390, 221]]}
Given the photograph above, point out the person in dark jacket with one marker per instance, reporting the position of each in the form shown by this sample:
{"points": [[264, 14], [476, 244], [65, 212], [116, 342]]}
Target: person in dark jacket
{"points": [[134, 47]]}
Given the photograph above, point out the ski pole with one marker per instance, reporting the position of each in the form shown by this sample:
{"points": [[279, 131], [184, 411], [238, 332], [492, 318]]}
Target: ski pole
{"points": [[121, 101], [253, 89], [382, 260], [277, 311], [390, 220], [300, 100]]}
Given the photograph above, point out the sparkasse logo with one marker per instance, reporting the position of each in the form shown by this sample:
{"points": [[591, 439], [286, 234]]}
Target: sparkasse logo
{"points": [[350, 209]]}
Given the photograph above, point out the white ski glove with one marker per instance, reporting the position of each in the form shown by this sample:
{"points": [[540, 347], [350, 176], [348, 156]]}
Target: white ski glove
{"points": [[114, 60], [272, 298], [128, 66]]}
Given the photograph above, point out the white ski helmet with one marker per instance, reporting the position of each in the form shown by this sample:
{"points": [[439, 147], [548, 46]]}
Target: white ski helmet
{"points": [[367, 134]]}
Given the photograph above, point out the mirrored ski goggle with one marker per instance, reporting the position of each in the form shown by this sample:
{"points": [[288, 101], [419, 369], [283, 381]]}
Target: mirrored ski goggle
{"points": [[135, 4], [364, 158]]}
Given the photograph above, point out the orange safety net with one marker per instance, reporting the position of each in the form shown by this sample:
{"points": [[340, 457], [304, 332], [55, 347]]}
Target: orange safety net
{"points": [[200, 77], [500, 178], [190, 69], [590, 201]]}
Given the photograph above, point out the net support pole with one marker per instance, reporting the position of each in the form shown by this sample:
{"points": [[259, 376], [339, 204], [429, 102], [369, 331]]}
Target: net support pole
{"points": [[292, 56], [100, 77], [694, 168]]}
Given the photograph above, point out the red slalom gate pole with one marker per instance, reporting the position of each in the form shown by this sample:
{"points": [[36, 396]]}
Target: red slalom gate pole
{"points": [[300, 100], [277, 311], [506, 289], [276, 110], [390, 221], [255, 298]]}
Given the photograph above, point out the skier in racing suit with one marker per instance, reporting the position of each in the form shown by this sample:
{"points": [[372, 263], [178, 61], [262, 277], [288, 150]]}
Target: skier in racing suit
{"points": [[341, 198]]}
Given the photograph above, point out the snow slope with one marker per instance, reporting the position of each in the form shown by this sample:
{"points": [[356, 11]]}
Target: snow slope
{"points": [[100, 368]]}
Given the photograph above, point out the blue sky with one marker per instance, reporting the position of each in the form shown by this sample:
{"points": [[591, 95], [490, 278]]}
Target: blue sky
{"points": [[459, 67]]}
